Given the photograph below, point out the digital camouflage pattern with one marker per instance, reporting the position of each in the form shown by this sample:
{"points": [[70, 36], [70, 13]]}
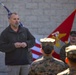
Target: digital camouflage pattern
{"points": [[71, 56], [69, 71], [62, 52], [46, 66]]}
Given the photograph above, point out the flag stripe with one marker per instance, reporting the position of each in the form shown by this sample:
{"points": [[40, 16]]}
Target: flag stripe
{"points": [[38, 45], [35, 52], [35, 56], [36, 48]]}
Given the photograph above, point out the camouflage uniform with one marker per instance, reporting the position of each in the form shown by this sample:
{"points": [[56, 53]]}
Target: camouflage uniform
{"points": [[62, 52], [71, 55], [72, 40], [69, 71], [46, 66]]}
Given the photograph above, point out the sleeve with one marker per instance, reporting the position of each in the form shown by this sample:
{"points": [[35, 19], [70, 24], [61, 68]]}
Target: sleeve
{"points": [[62, 54], [30, 39], [32, 70], [5, 45]]}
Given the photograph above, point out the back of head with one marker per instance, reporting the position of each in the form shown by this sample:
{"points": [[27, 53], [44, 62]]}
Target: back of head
{"points": [[47, 45], [71, 53]]}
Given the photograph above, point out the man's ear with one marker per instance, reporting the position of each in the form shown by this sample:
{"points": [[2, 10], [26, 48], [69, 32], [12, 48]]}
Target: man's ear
{"points": [[53, 51], [41, 50], [66, 60]]}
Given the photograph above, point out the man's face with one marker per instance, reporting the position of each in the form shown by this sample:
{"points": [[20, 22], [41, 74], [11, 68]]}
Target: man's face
{"points": [[14, 20], [73, 39]]}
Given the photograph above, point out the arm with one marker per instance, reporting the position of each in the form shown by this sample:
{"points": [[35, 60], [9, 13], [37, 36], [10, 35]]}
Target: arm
{"points": [[62, 53], [5, 45], [30, 39], [32, 69]]}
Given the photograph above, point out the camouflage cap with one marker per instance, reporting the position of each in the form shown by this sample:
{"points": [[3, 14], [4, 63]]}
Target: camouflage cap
{"points": [[47, 44], [71, 51]]}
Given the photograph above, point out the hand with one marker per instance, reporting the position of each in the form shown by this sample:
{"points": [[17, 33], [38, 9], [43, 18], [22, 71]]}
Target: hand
{"points": [[18, 44], [23, 44]]}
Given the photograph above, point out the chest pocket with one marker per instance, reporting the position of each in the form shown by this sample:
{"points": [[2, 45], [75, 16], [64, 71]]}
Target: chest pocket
{"points": [[17, 37], [22, 36]]}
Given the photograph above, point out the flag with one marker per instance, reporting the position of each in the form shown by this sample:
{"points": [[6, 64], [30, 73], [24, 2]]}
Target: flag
{"points": [[60, 34], [9, 12], [36, 50]]}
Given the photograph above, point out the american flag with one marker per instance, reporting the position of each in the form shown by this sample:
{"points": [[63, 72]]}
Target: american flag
{"points": [[36, 50]]}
